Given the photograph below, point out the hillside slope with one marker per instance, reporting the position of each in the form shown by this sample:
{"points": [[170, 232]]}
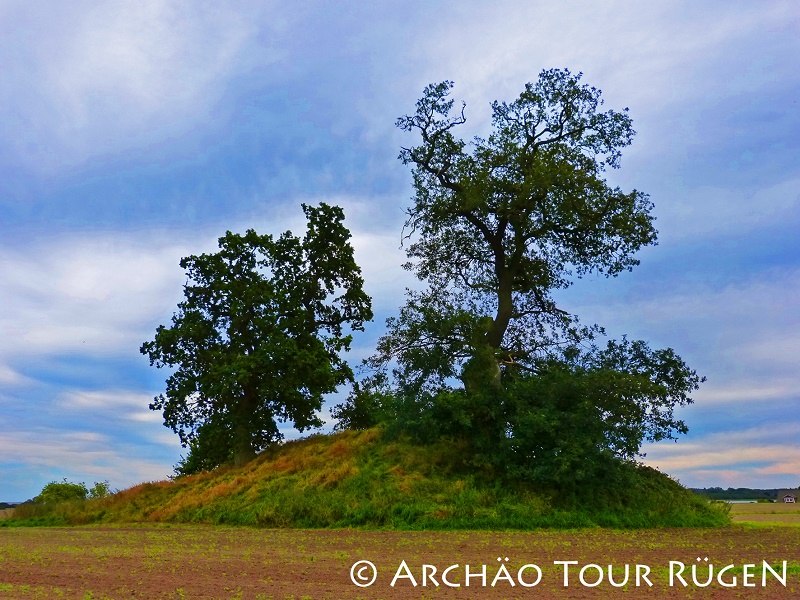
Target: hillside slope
{"points": [[359, 479]]}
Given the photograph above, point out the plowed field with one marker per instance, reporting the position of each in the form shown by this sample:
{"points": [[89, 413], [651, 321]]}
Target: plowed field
{"points": [[212, 562]]}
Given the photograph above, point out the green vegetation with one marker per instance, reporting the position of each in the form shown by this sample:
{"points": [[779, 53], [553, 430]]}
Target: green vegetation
{"points": [[363, 479], [483, 358], [718, 493], [486, 406], [762, 514], [497, 225], [57, 500], [67, 491], [257, 338]]}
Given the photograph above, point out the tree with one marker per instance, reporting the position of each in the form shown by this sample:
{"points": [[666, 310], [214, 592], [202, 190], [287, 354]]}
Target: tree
{"points": [[501, 223], [100, 489], [68, 491], [258, 336], [576, 416], [61, 491], [496, 227]]}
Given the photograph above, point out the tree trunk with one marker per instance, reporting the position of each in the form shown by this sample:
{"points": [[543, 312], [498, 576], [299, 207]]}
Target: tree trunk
{"points": [[243, 451], [482, 370]]}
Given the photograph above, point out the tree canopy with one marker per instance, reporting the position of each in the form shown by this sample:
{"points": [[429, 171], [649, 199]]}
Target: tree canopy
{"points": [[496, 226], [500, 223], [257, 339]]}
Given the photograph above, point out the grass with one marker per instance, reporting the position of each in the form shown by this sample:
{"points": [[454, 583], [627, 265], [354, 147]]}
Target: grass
{"points": [[766, 513], [359, 479]]}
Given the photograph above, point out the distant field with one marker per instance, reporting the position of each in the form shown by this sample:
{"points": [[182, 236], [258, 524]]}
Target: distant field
{"points": [[784, 514], [193, 562], [6, 512]]}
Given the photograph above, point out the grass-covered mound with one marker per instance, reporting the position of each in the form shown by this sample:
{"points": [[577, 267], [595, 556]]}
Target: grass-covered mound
{"points": [[361, 479]]}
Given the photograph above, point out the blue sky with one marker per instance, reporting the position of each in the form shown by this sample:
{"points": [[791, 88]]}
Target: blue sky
{"points": [[137, 133]]}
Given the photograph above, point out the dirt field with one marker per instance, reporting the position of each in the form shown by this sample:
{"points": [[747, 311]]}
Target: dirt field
{"points": [[208, 562]]}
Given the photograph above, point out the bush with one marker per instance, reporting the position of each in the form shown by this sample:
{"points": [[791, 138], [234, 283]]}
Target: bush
{"points": [[566, 428], [62, 491], [100, 489], [364, 407]]}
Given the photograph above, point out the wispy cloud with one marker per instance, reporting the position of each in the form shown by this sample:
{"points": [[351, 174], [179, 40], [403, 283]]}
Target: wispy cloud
{"points": [[119, 407], [741, 458], [136, 133], [105, 77], [91, 295], [745, 390], [78, 455], [715, 212], [10, 377], [620, 43], [751, 318], [96, 293], [111, 400]]}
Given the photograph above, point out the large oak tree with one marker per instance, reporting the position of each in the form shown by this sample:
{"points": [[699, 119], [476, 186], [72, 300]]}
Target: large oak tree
{"points": [[498, 224], [258, 337]]}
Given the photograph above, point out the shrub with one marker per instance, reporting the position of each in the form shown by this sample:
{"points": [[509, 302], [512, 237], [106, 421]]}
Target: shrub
{"points": [[100, 489], [62, 491]]}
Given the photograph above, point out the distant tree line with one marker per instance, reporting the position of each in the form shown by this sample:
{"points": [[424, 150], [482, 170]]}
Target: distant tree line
{"points": [[718, 493]]}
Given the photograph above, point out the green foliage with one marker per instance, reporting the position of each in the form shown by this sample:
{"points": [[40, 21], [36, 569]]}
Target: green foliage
{"points": [[210, 447], [368, 480], [100, 489], [718, 493], [62, 491], [496, 227], [573, 423], [366, 406], [60, 503], [257, 338], [500, 223]]}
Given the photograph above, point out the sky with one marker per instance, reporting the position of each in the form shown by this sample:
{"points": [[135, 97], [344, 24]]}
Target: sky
{"points": [[136, 133]]}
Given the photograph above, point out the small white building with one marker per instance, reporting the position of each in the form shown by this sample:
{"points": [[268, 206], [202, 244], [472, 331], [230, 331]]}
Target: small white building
{"points": [[787, 496]]}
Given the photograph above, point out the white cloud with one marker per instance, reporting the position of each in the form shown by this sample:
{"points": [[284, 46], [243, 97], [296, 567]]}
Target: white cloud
{"points": [[84, 79], [144, 416], [704, 213], [103, 400], [114, 405], [103, 293], [677, 48], [780, 349], [746, 390], [10, 377], [87, 295], [758, 456], [79, 456], [751, 322]]}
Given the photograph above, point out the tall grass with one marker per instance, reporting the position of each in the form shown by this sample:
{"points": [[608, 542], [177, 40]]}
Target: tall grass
{"points": [[360, 479]]}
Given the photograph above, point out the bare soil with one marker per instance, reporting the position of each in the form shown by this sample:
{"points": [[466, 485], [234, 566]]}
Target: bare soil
{"points": [[213, 562]]}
